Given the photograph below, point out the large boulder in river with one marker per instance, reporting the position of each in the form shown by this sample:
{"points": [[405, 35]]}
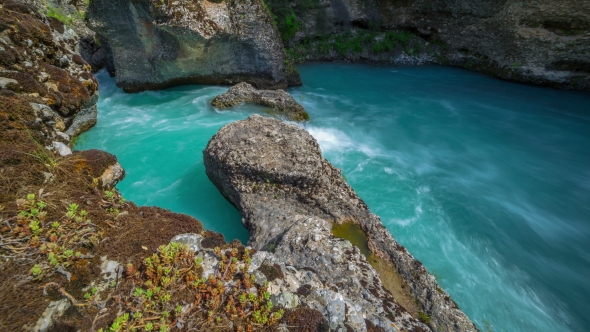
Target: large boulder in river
{"points": [[156, 44], [290, 197], [280, 101]]}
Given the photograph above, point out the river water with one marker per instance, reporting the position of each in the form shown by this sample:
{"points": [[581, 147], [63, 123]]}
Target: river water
{"points": [[486, 182]]}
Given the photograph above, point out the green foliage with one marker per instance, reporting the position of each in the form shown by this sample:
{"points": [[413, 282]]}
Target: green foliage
{"points": [[423, 317], [344, 44], [288, 26], [67, 18], [391, 40], [36, 270], [353, 43], [60, 16], [290, 67], [59, 241], [288, 17], [97, 42], [226, 295], [110, 195]]}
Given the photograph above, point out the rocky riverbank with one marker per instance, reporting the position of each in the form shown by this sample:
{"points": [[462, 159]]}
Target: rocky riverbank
{"points": [[542, 42], [290, 197], [75, 255]]}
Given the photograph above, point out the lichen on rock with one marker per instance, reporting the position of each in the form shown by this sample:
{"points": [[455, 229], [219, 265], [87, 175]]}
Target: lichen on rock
{"points": [[281, 103], [289, 197], [156, 44]]}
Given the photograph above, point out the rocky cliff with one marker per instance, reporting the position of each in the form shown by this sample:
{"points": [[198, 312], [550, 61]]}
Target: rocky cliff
{"points": [[290, 197], [543, 42], [155, 44]]}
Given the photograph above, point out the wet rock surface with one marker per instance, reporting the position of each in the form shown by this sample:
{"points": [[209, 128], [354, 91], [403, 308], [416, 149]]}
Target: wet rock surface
{"points": [[156, 44], [289, 197], [281, 103]]}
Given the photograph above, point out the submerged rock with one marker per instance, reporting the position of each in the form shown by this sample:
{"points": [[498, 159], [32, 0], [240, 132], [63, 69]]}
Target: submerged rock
{"points": [[158, 44], [280, 101], [290, 196]]}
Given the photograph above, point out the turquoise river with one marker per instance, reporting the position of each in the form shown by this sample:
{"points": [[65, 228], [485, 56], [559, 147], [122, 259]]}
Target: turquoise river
{"points": [[484, 181]]}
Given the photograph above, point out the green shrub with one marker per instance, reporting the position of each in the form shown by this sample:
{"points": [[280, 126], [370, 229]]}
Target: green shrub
{"points": [[57, 14], [393, 39], [288, 27]]}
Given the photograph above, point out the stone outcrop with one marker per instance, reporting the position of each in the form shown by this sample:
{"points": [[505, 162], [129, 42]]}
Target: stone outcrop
{"points": [[281, 103], [38, 59], [156, 44], [290, 196], [543, 42], [297, 284]]}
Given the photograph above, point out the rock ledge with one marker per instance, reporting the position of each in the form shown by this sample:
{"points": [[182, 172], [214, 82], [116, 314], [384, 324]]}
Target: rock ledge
{"points": [[290, 196], [280, 101]]}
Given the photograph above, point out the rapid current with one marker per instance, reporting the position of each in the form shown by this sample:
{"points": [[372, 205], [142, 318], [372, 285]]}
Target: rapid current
{"points": [[486, 182]]}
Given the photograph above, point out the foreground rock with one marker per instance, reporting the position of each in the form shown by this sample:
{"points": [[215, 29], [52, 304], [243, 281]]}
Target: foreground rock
{"points": [[290, 196], [158, 44], [280, 101]]}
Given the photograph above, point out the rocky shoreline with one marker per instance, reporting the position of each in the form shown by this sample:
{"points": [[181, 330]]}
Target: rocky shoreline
{"points": [[540, 42], [290, 197], [77, 256]]}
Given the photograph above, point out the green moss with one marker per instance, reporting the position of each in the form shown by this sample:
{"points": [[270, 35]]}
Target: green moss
{"points": [[393, 39], [424, 317], [287, 15], [65, 18], [59, 15]]}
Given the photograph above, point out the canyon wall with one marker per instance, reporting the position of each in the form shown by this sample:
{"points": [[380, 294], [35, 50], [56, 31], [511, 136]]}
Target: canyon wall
{"points": [[542, 42], [156, 44]]}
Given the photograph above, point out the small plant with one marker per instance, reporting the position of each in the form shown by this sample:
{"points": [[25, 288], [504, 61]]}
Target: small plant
{"points": [[288, 27], [392, 39], [60, 16], [423, 317], [57, 240], [91, 295], [36, 270], [110, 195], [225, 295]]}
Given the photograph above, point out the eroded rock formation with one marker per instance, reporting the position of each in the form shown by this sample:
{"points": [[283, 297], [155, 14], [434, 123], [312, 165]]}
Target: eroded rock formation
{"points": [[543, 42], [156, 44], [279, 101], [290, 196]]}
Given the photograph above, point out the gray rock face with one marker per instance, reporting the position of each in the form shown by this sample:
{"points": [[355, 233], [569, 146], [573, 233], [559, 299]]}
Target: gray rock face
{"points": [[84, 120], [280, 101], [544, 42], [158, 44], [193, 241], [290, 196]]}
